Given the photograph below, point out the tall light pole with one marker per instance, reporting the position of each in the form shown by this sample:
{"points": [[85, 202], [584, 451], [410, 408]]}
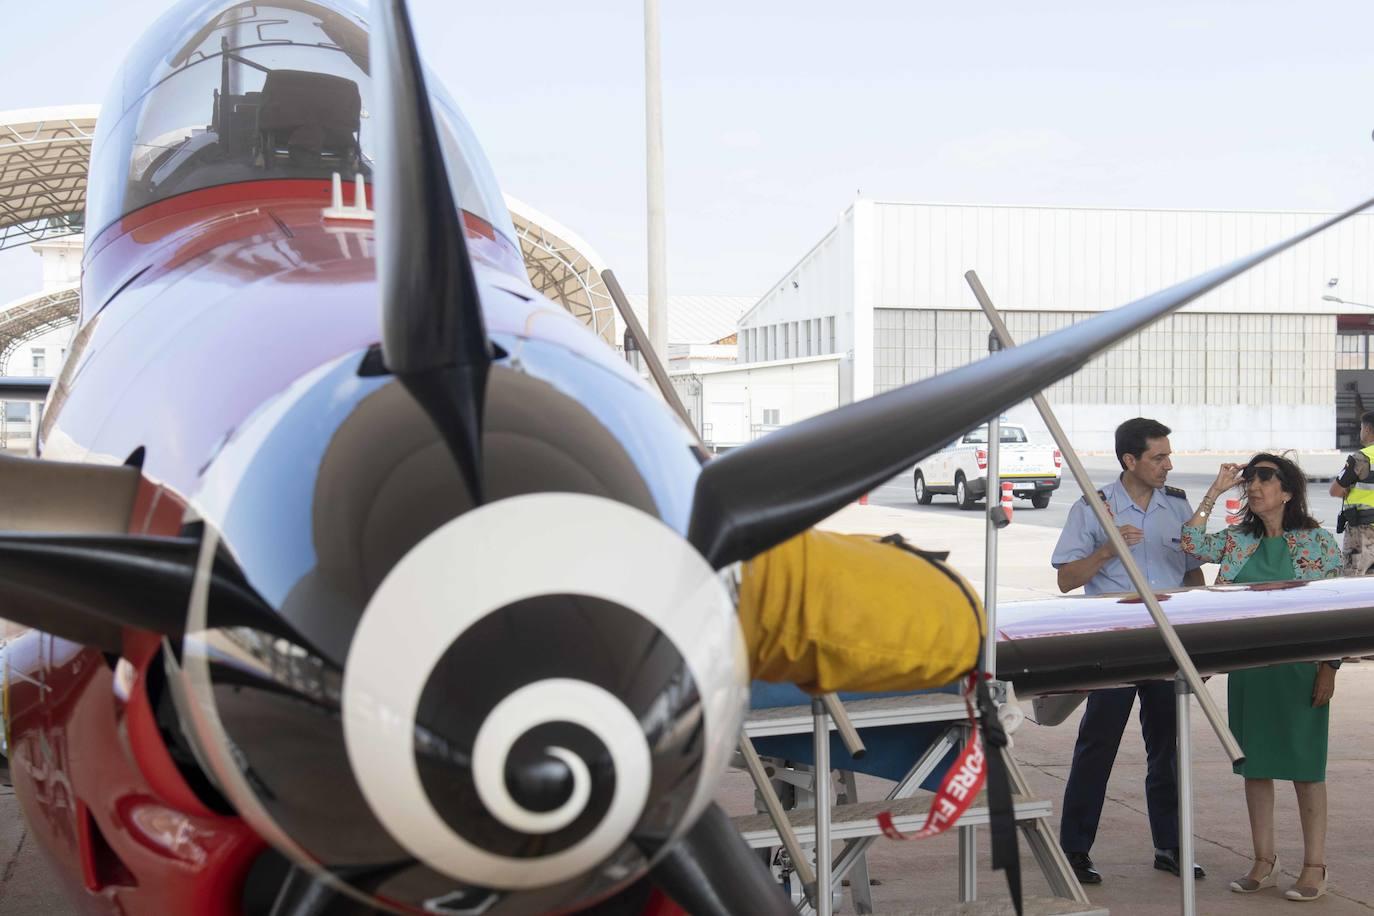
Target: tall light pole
{"points": [[657, 235]]}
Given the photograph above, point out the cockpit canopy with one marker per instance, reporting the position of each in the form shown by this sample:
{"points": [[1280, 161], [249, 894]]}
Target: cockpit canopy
{"points": [[253, 91]]}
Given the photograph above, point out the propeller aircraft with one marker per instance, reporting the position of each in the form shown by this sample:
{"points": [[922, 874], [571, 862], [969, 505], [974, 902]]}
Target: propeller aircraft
{"points": [[360, 578]]}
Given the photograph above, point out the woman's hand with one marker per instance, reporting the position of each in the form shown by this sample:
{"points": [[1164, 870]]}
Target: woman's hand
{"points": [[1227, 477], [1325, 686]]}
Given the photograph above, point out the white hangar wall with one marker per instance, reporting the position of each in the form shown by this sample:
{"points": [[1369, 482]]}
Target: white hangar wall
{"points": [[732, 405], [1251, 364]]}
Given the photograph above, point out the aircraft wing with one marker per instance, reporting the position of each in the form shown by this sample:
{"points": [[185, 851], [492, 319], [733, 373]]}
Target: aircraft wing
{"points": [[1078, 643], [15, 388]]}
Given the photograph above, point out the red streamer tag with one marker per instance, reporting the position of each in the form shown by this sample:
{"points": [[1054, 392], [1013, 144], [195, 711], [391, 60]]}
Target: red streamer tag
{"points": [[957, 791]]}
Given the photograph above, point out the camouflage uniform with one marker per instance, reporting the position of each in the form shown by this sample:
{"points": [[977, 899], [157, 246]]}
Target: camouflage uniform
{"points": [[1357, 550]]}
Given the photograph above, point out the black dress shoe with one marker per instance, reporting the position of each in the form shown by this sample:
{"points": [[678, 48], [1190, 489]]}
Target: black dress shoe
{"points": [[1083, 867], [1167, 860]]}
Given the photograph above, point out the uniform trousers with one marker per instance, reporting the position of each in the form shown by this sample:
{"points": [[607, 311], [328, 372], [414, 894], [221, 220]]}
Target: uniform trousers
{"points": [[1099, 736], [1357, 552]]}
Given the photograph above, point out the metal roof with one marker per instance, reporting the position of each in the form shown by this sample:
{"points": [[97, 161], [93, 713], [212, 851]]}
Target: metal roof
{"points": [[44, 154], [564, 268], [33, 316], [697, 319]]}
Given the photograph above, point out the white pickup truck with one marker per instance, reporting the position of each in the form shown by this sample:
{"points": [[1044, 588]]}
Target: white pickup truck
{"points": [[961, 468]]}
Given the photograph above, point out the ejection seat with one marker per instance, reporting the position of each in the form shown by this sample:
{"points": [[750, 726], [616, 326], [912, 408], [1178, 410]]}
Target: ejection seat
{"points": [[310, 120]]}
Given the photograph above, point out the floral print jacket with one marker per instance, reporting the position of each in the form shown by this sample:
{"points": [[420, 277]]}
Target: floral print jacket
{"points": [[1314, 551]]}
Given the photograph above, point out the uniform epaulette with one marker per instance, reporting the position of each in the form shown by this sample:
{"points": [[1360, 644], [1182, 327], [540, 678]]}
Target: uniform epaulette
{"points": [[1175, 492]]}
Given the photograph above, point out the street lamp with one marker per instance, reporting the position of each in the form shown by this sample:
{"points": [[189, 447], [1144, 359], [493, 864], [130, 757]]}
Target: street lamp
{"points": [[1363, 305]]}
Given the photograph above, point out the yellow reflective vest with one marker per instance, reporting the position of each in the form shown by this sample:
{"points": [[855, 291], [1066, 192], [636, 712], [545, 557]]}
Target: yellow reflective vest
{"points": [[1361, 493]]}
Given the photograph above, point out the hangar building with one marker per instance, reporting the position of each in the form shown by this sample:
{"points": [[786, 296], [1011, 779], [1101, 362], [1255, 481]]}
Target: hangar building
{"points": [[1278, 357]]}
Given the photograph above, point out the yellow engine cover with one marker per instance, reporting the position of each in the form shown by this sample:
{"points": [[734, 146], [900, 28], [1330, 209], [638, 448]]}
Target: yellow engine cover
{"points": [[831, 612]]}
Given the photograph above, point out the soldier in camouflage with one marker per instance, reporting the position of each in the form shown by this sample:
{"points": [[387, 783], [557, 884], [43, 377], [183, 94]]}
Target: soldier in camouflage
{"points": [[1355, 487]]}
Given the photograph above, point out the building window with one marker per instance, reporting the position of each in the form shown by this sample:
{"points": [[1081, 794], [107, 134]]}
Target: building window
{"points": [[40, 361], [1350, 351], [772, 416], [809, 351], [830, 334]]}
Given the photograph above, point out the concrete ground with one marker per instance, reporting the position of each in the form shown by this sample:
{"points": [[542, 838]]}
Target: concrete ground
{"points": [[918, 874], [921, 873], [27, 884]]}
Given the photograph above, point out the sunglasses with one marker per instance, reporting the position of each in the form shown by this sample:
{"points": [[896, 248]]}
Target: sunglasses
{"points": [[1264, 474]]}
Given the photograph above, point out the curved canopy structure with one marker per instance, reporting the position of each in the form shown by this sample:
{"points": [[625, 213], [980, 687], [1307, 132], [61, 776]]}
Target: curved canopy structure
{"points": [[44, 154], [564, 268], [33, 316]]}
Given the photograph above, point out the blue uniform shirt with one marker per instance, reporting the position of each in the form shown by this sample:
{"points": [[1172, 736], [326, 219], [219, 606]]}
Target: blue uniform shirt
{"points": [[1160, 555]]}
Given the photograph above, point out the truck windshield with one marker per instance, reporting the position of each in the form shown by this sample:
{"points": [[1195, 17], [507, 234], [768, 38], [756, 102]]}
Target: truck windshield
{"points": [[1007, 434]]}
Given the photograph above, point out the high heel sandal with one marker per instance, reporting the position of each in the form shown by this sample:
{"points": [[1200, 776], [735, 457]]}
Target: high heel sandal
{"points": [[1306, 894], [1248, 885]]}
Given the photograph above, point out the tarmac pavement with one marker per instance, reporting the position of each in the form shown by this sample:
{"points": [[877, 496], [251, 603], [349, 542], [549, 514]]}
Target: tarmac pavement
{"points": [[28, 886]]}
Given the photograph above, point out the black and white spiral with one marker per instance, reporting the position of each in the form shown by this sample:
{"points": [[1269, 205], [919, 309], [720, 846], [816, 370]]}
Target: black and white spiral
{"points": [[538, 681]]}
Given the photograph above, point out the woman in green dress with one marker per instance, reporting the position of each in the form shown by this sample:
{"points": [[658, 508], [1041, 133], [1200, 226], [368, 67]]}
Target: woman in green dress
{"points": [[1279, 714]]}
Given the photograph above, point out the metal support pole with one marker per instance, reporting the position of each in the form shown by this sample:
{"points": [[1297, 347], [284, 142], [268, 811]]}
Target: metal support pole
{"points": [[968, 836], [653, 358], [844, 726], [1182, 693], [821, 723], [968, 855], [1186, 668], [968, 864], [754, 765], [657, 234], [994, 494]]}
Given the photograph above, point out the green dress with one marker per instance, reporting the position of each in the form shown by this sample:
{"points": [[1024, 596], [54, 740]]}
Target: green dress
{"points": [[1271, 710]]}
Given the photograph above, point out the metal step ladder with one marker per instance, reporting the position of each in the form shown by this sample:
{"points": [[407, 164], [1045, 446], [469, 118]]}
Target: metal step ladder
{"points": [[1032, 906], [855, 822]]}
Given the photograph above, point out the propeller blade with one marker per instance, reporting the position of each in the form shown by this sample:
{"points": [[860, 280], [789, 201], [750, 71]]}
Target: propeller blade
{"points": [[433, 335], [712, 872], [59, 497], [770, 490], [87, 588]]}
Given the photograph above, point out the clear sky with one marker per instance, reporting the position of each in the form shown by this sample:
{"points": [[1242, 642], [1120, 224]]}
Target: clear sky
{"points": [[778, 114]]}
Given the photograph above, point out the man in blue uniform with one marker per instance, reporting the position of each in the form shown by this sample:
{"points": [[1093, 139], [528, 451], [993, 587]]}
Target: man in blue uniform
{"points": [[1150, 516]]}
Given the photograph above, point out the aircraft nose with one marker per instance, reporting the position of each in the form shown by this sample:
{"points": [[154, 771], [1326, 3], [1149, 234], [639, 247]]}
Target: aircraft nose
{"points": [[541, 784], [519, 728]]}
